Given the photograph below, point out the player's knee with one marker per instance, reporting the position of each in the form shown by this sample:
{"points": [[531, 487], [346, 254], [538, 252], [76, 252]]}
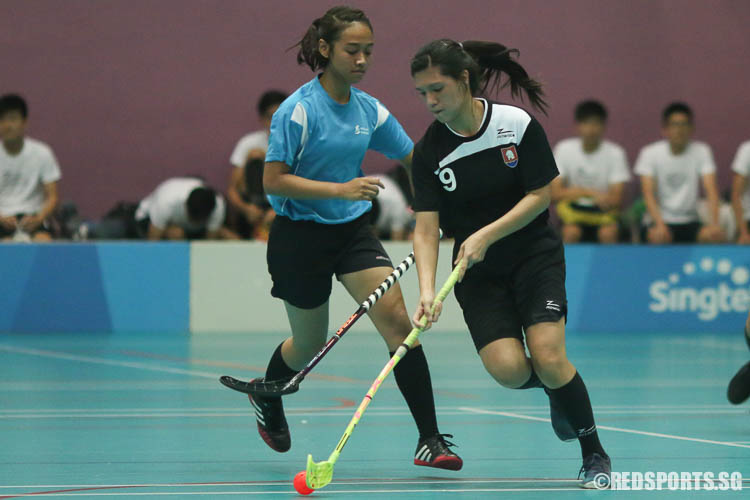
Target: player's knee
{"points": [[174, 233], [509, 372], [42, 236], [608, 234], [571, 233], [548, 363]]}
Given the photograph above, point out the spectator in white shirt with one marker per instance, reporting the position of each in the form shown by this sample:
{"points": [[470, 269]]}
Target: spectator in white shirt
{"points": [[741, 192], [181, 208], [672, 171], [28, 176], [593, 174], [245, 192]]}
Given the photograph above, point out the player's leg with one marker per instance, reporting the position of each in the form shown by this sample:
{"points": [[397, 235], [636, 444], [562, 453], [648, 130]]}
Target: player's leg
{"points": [[571, 233], [608, 233], [300, 258], [361, 271], [739, 386], [539, 285]]}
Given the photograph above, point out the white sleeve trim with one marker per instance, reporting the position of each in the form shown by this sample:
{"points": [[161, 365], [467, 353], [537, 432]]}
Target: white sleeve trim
{"points": [[383, 115], [299, 116]]}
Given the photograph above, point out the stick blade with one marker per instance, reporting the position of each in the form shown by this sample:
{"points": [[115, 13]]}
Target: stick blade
{"points": [[260, 387], [318, 474]]}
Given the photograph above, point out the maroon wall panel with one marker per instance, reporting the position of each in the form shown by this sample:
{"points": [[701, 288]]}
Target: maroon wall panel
{"points": [[131, 92]]}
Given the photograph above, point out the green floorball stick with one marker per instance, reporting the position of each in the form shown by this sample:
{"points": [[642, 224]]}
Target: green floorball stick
{"points": [[320, 474]]}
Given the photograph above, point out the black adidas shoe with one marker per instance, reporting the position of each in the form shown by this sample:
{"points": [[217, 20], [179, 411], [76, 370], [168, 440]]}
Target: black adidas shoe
{"points": [[272, 426], [434, 452], [560, 424], [597, 472], [739, 386]]}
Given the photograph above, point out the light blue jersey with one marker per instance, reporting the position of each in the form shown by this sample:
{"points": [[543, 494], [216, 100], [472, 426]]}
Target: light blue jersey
{"points": [[323, 140]]}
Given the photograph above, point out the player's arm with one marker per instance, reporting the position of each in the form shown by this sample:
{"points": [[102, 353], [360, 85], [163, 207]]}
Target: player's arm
{"points": [[279, 181], [712, 196], [739, 184], [560, 191], [32, 222], [252, 212], [649, 197], [426, 237], [526, 210], [406, 162], [612, 199]]}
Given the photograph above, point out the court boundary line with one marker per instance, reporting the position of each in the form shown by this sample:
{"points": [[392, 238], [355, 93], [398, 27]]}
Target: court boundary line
{"points": [[609, 428]]}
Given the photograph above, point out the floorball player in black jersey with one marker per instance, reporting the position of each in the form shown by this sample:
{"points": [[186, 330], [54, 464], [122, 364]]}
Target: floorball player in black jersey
{"points": [[482, 172]]}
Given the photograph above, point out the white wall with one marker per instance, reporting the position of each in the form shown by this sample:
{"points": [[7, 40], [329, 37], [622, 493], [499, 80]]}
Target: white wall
{"points": [[230, 291]]}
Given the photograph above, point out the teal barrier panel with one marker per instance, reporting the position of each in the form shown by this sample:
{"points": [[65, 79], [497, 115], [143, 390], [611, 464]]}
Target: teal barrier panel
{"points": [[95, 287], [670, 289]]}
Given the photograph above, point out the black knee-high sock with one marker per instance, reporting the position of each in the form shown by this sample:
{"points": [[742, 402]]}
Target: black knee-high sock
{"points": [[413, 379], [573, 400], [277, 368]]}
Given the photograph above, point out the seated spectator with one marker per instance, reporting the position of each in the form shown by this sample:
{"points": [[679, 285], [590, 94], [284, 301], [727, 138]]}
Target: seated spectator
{"points": [[28, 177], [671, 172], [245, 191], [182, 208], [741, 192], [593, 174], [391, 215]]}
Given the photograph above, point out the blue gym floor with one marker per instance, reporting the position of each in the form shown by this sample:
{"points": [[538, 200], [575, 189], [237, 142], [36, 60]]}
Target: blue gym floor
{"points": [[144, 416]]}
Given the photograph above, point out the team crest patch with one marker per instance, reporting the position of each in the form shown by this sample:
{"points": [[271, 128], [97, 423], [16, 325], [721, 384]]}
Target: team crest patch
{"points": [[510, 156]]}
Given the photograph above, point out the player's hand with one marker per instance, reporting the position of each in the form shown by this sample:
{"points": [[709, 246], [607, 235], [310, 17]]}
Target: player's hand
{"points": [[253, 214], [8, 223], [744, 238], [471, 252], [268, 217], [361, 188], [661, 234], [424, 308], [31, 223], [602, 201], [715, 233]]}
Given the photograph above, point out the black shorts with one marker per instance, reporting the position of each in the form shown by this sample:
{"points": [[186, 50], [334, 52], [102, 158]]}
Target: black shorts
{"points": [[500, 305], [681, 233], [303, 256]]}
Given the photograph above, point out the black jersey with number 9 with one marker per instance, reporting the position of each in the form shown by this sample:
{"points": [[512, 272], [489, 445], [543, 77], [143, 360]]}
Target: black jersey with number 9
{"points": [[473, 181]]}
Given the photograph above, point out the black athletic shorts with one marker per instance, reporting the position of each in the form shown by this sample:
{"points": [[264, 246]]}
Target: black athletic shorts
{"points": [[303, 256], [500, 305], [681, 233]]}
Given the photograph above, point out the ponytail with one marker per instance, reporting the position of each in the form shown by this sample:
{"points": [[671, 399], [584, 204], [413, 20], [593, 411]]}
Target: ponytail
{"points": [[328, 28], [491, 66]]}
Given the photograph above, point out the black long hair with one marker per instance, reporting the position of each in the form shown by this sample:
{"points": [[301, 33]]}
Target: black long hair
{"points": [[329, 28], [491, 66]]}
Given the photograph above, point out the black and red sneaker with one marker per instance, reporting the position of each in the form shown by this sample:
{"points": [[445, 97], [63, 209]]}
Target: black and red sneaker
{"points": [[739, 386], [433, 452], [272, 426]]}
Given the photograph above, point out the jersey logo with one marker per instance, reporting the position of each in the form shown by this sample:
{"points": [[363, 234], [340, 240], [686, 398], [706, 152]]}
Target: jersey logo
{"points": [[361, 130], [510, 156], [505, 134]]}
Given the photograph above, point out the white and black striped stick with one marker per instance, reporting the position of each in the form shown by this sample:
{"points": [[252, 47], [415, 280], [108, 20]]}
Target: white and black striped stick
{"points": [[279, 388]]}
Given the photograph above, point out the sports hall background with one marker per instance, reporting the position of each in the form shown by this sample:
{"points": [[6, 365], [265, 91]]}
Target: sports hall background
{"points": [[130, 93]]}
